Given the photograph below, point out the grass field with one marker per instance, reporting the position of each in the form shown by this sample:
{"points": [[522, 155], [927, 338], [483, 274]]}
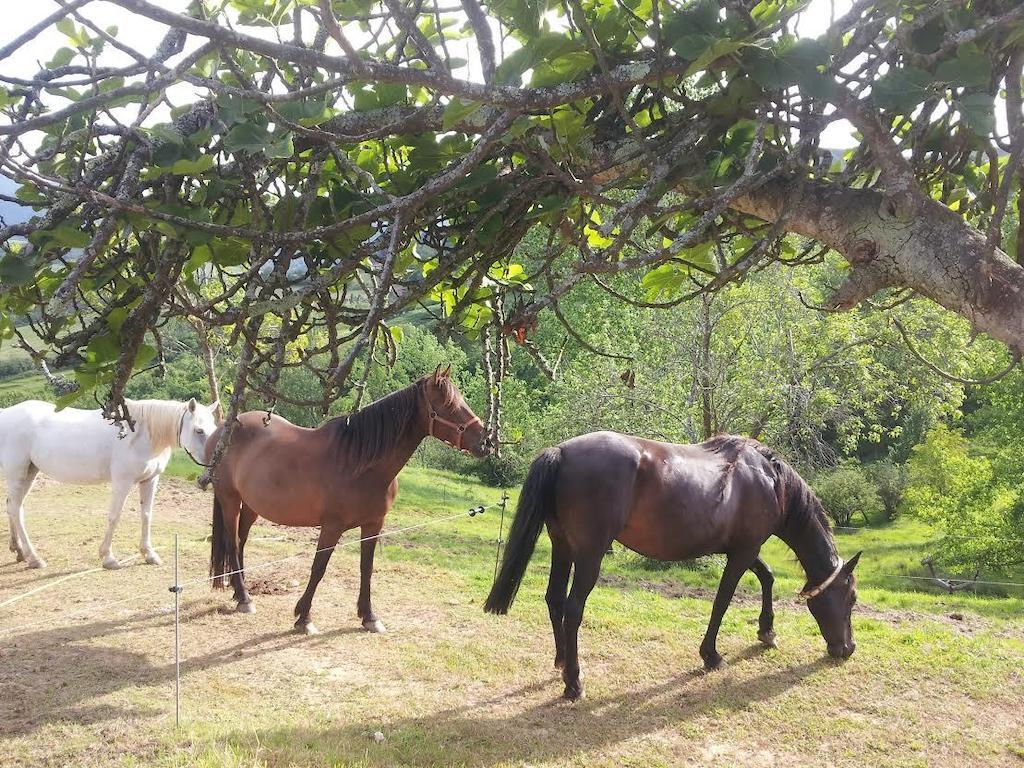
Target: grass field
{"points": [[936, 680]]}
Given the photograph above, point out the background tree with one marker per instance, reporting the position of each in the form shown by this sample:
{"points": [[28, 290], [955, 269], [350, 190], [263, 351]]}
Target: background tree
{"points": [[302, 173]]}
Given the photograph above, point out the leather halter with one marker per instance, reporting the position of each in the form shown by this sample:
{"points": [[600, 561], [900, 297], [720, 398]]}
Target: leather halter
{"points": [[181, 423], [811, 593], [460, 429]]}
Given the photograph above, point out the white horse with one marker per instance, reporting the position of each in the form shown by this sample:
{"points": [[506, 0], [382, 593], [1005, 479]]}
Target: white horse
{"points": [[81, 447]]}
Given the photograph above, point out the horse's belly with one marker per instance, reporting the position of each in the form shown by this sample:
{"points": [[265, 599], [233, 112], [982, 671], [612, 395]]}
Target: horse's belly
{"points": [[669, 532], [71, 456]]}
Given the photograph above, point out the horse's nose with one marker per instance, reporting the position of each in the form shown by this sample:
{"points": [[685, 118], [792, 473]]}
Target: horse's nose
{"points": [[837, 650], [848, 652]]}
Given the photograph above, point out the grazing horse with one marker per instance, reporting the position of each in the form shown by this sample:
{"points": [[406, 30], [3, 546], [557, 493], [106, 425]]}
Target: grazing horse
{"points": [[672, 502], [82, 448], [339, 476]]}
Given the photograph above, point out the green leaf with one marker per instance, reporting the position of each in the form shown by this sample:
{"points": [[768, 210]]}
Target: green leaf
{"points": [[192, 167], [456, 111], [16, 269], [281, 147], [545, 47], [479, 177], [301, 109], [143, 355], [793, 62], [971, 67], [248, 137], [716, 50], [76, 35], [103, 348], [61, 58], [699, 18], [564, 69], [978, 113], [525, 15], [663, 280], [365, 99], [397, 333], [229, 252], [902, 89]]}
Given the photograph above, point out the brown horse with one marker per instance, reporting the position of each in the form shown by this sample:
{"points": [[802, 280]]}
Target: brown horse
{"points": [[672, 502], [339, 476]]}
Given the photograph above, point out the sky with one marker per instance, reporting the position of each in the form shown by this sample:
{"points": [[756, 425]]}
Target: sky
{"points": [[144, 35]]}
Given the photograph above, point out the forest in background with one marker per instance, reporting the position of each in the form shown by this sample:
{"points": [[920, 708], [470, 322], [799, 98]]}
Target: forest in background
{"points": [[873, 422]]}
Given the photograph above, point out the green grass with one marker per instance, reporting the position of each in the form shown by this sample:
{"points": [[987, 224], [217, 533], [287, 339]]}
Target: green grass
{"points": [[449, 685]]}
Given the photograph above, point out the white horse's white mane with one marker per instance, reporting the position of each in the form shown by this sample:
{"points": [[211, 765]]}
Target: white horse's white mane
{"points": [[160, 419]]}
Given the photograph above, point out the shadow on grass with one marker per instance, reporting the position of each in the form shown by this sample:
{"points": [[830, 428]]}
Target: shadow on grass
{"points": [[524, 730], [59, 675]]}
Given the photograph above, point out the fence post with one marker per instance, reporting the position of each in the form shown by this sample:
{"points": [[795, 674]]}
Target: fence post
{"points": [[501, 532], [176, 589]]}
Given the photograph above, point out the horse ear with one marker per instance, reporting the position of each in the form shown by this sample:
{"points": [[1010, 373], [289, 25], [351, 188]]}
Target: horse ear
{"points": [[437, 373], [215, 405], [192, 404], [852, 562], [447, 372]]}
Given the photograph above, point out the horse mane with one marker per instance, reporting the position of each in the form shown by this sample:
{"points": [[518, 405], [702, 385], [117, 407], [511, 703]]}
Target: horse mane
{"points": [[372, 432], [800, 505], [160, 419]]}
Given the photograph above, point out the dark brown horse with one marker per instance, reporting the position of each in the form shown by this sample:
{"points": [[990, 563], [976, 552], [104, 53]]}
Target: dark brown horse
{"points": [[672, 502], [339, 476]]}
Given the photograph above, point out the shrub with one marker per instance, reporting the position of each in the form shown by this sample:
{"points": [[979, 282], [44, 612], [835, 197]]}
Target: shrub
{"points": [[890, 480], [847, 492], [959, 493]]}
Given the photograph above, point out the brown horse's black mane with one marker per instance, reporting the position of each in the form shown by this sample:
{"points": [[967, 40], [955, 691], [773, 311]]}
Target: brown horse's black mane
{"points": [[373, 432], [801, 505]]}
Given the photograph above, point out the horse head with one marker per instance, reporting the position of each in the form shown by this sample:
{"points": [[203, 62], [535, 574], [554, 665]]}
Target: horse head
{"points": [[197, 424], [831, 604], [447, 416]]}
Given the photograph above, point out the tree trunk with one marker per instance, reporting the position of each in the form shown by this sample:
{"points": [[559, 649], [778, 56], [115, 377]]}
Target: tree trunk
{"points": [[936, 252], [203, 335]]}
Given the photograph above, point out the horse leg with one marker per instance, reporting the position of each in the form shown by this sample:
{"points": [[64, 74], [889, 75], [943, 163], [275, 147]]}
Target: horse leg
{"points": [[329, 535], [232, 517], [766, 621], [17, 490], [245, 521], [558, 583], [118, 493], [734, 569], [147, 490], [364, 608], [583, 581]]}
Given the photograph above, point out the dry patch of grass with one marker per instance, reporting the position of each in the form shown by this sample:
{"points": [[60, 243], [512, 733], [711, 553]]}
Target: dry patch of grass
{"points": [[448, 685]]}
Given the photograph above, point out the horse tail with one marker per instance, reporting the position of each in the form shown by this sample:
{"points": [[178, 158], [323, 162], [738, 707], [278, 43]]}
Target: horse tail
{"points": [[536, 504], [218, 547]]}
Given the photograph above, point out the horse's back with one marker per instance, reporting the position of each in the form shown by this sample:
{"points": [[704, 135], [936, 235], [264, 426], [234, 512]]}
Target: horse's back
{"points": [[70, 445], [274, 467], [665, 500]]}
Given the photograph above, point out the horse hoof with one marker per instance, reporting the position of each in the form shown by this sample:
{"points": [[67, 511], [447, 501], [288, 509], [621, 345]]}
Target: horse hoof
{"points": [[573, 693], [713, 662], [307, 629], [247, 607], [110, 563], [152, 558], [767, 639], [36, 562], [374, 625]]}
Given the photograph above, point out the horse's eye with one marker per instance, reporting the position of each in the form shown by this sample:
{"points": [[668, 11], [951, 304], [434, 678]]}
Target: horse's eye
{"points": [[200, 431]]}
